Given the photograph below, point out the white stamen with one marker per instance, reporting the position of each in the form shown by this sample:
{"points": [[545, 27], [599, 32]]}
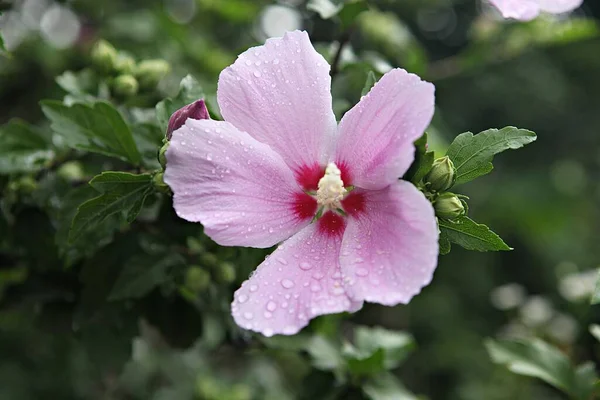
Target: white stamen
{"points": [[331, 188]]}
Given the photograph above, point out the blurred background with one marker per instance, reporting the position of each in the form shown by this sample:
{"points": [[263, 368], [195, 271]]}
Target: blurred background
{"points": [[66, 331]]}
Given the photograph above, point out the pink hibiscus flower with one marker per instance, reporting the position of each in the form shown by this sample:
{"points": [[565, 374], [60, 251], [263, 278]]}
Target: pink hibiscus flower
{"points": [[526, 10], [280, 169]]}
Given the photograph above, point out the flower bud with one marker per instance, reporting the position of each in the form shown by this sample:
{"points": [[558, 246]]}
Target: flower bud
{"points": [[449, 206], [125, 64], [196, 110], [196, 278], [226, 272], [125, 85], [159, 183], [104, 56], [442, 175], [162, 155], [150, 72]]}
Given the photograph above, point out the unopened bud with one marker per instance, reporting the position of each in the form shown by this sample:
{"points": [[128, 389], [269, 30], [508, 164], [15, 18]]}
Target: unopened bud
{"points": [[449, 206], [125, 85], [196, 110], [162, 155], [150, 72], [226, 272], [159, 183], [71, 171], [442, 175], [196, 278], [209, 260], [104, 56], [125, 64]]}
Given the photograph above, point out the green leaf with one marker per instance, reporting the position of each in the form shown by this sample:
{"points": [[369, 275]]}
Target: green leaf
{"points": [[472, 155], [23, 148], [386, 386], [595, 331], [325, 8], [472, 236], [444, 242], [396, 346], [596, 294], [189, 91], [142, 274], [325, 355], [369, 83], [422, 162], [538, 359], [122, 193], [370, 364], [97, 128]]}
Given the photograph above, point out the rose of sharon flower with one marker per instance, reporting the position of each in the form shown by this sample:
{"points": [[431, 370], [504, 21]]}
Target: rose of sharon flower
{"points": [[526, 10], [279, 168]]}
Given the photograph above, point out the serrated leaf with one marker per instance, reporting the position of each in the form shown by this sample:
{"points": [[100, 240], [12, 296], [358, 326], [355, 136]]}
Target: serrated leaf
{"points": [[596, 293], [422, 162], [538, 359], [386, 386], [396, 345], [23, 148], [189, 91], [472, 236], [472, 155], [369, 83], [142, 274], [122, 193], [97, 128]]}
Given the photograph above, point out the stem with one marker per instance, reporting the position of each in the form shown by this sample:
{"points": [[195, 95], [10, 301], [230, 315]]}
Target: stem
{"points": [[344, 39]]}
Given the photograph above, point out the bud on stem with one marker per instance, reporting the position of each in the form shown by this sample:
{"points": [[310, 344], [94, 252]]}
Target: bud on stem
{"points": [[442, 175], [449, 206]]}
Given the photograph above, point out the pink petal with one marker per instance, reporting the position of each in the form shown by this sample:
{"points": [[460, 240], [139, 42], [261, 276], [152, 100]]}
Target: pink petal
{"points": [[559, 6], [280, 94], [523, 10], [238, 188], [377, 135], [390, 247], [299, 281]]}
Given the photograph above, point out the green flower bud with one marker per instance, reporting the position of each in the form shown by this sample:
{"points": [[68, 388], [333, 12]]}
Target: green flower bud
{"points": [[449, 206], [104, 56], [150, 72], [71, 171], [27, 184], [125, 85], [196, 278], [226, 272], [162, 155], [125, 64], [209, 260], [442, 175], [159, 183]]}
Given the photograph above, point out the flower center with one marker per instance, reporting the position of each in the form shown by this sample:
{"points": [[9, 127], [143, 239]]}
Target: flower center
{"points": [[331, 189]]}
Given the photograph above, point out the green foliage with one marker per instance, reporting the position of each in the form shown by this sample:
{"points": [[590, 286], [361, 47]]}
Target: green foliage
{"points": [[422, 163], [122, 193], [472, 155], [346, 10], [386, 387], [596, 293], [97, 128], [189, 91], [369, 83], [468, 234], [23, 148], [538, 359]]}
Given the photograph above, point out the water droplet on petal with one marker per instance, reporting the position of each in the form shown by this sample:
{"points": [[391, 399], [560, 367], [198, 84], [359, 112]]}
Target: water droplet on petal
{"points": [[282, 261], [305, 266], [362, 272], [253, 288], [248, 315], [242, 298], [271, 306], [286, 283]]}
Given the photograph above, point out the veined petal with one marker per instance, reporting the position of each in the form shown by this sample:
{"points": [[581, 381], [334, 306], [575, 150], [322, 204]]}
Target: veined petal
{"points": [[390, 246], [299, 281], [377, 135], [238, 188], [280, 94]]}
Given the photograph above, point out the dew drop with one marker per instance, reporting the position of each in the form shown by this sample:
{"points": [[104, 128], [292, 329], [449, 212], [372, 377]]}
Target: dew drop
{"points": [[305, 266], [318, 275], [282, 261], [242, 298], [362, 272], [257, 74], [248, 315], [286, 283], [253, 288], [271, 306]]}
